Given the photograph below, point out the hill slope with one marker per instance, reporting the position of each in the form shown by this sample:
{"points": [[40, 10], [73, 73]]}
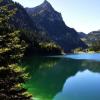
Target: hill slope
{"points": [[20, 20], [50, 21]]}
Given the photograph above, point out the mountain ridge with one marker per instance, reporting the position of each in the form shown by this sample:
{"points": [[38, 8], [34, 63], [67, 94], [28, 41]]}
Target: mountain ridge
{"points": [[18, 19], [44, 31], [51, 21]]}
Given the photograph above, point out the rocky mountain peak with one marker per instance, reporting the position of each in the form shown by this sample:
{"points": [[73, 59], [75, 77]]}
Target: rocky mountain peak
{"points": [[45, 10], [5, 1], [46, 5], [46, 2], [48, 20]]}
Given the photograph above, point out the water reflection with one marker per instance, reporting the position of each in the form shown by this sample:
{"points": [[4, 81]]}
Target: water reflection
{"points": [[50, 74], [83, 86]]}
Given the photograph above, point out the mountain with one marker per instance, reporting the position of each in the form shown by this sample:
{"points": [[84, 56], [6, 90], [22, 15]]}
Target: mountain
{"points": [[82, 34], [94, 35], [19, 15], [18, 19], [51, 22], [92, 39]]}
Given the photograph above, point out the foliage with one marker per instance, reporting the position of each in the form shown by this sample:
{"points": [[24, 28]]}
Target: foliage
{"points": [[11, 51], [93, 40], [50, 47], [18, 18], [95, 45], [78, 50]]}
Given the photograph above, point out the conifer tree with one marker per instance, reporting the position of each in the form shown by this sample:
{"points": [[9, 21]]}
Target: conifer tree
{"points": [[11, 51]]}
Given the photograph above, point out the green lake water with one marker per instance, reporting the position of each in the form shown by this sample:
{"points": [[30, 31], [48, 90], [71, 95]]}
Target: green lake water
{"points": [[68, 77]]}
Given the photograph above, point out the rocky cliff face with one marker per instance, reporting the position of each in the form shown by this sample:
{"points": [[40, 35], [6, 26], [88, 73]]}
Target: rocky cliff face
{"points": [[18, 19], [82, 34], [51, 22], [92, 38], [94, 35], [41, 26]]}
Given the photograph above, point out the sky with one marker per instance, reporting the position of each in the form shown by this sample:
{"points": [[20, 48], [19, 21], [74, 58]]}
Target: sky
{"points": [[82, 15]]}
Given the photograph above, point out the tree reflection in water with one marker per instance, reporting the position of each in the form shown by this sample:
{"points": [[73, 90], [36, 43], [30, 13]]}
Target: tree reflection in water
{"points": [[48, 74]]}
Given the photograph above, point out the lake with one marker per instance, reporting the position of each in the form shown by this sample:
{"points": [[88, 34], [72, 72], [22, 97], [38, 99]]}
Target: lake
{"points": [[68, 77]]}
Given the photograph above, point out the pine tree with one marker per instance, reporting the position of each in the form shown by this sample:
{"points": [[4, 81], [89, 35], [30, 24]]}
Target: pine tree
{"points": [[11, 51]]}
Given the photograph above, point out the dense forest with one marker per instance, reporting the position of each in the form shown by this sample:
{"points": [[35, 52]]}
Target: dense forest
{"points": [[11, 51]]}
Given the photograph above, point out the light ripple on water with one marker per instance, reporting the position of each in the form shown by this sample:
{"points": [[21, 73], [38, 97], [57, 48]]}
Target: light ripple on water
{"points": [[83, 56], [87, 56]]}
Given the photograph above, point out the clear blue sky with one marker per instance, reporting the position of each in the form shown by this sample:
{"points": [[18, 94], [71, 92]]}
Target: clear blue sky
{"points": [[83, 15]]}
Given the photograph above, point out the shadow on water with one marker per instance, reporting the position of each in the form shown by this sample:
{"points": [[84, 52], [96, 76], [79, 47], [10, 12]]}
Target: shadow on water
{"points": [[48, 74]]}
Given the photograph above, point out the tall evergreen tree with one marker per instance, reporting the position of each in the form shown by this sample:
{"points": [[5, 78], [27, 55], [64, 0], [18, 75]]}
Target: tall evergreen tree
{"points": [[11, 51]]}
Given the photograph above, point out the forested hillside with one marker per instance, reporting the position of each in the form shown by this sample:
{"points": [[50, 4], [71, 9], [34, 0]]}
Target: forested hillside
{"points": [[37, 41], [92, 39]]}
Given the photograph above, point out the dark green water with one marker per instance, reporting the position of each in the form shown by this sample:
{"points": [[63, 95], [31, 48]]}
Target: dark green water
{"points": [[71, 77]]}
